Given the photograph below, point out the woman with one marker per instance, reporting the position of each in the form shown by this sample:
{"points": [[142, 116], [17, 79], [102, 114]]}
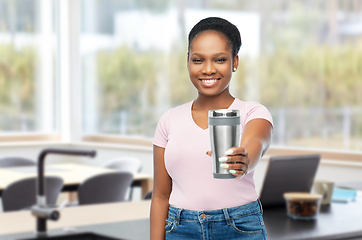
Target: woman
{"points": [[187, 202]]}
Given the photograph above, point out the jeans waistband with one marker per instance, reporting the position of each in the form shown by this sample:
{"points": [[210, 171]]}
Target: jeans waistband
{"points": [[215, 215]]}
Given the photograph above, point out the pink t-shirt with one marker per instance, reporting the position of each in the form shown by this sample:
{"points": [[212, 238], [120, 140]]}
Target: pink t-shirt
{"points": [[185, 143]]}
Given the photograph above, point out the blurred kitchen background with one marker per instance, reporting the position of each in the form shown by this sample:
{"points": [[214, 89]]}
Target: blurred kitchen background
{"points": [[125, 61]]}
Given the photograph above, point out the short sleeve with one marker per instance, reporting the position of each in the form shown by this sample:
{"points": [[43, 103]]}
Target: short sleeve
{"points": [[255, 110], [161, 134]]}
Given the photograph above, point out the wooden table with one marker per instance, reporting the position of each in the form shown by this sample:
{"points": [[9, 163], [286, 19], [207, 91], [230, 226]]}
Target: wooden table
{"points": [[21, 224], [72, 174]]}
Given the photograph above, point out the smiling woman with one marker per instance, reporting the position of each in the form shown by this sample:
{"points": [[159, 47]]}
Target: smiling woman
{"points": [[184, 186]]}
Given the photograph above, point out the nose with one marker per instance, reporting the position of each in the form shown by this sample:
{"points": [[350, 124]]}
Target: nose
{"points": [[208, 68]]}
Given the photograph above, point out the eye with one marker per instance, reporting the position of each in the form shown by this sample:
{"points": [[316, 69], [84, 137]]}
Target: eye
{"points": [[196, 60], [221, 60]]}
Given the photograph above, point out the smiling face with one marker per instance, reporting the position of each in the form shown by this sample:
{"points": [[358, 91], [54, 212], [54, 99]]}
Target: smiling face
{"points": [[210, 63]]}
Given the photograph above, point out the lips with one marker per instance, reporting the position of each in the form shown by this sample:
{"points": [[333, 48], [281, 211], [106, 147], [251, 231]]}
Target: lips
{"points": [[209, 82]]}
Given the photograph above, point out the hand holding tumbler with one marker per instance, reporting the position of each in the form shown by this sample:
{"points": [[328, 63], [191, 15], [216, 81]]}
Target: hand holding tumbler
{"points": [[224, 130]]}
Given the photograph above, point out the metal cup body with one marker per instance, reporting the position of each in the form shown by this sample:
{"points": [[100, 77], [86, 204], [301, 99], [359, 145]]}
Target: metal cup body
{"points": [[224, 130]]}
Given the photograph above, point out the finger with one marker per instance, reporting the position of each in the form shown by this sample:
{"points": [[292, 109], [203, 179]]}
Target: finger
{"points": [[209, 153], [238, 173], [235, 159], [234, 166], [236, 151]]}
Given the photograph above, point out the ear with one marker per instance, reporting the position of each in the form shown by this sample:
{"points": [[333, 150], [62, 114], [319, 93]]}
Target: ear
{"points": [[236, 62], [188, 60]]}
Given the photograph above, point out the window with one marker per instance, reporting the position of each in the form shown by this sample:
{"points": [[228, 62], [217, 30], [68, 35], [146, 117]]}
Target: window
{"points": [[310, 73], [301, 59], [28, 59]]}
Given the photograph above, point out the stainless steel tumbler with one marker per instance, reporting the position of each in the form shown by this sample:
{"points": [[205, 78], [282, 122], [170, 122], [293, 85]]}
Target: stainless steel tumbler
{"points": [[224, 130]]}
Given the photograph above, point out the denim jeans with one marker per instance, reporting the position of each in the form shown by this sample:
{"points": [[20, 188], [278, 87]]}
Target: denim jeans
{"points": [[243, 222]]}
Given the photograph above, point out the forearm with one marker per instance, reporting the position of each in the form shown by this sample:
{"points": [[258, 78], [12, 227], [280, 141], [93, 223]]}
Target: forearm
{"points": [[256, 140], [162, 186], [159, 213], [256, 149]]}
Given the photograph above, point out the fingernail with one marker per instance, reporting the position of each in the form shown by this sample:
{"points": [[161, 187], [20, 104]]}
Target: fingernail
{"points": [[224, 165], [232, 171], [230, 151], [223, 159]]}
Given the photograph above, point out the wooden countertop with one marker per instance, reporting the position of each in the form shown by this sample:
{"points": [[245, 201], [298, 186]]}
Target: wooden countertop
{"points": [[23, 221]]}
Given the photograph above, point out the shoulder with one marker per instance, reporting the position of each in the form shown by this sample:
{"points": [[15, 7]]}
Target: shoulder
{"points": [[182, 108], [179, 110], [251, 110], [176, 112], [247, 106]]}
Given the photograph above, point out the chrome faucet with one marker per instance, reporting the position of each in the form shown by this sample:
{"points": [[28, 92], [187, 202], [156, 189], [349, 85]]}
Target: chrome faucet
{"points": [[40, 210]]}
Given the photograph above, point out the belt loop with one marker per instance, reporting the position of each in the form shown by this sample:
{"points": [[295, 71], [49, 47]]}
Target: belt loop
{"points": [[228, 220], [178, 215], [260, 206]]}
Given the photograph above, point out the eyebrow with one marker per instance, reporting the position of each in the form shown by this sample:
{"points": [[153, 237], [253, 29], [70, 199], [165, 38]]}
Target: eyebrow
{"points": [[216, 54]]}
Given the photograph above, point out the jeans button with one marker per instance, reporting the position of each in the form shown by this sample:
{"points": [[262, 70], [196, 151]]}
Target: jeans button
{"points": [[203, 216]]}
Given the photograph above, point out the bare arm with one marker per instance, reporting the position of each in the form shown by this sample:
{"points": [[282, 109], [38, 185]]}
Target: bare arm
{"points": [[162, 186], [256, 140]]}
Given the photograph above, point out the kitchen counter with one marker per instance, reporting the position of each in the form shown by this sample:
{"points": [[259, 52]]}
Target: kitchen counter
{"points": [[129, 220]]}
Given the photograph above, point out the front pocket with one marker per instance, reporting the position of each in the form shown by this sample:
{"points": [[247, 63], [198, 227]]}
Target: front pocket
{"points": [[248, 225], [170, 226]]}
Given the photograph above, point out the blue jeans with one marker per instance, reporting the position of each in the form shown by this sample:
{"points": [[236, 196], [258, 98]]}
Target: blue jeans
{"points": [[243, 222]]}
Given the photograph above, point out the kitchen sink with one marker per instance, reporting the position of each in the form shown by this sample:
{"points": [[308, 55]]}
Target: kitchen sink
{"points": [[75, 236]]}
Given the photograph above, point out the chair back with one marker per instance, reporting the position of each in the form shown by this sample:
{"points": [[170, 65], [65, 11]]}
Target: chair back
{"points": [[22, 194], [125, 164], [148, 196], [16, 161], [105, 188]]}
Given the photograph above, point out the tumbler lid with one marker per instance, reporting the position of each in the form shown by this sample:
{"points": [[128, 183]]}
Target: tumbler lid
{"points": [[224, 113]]}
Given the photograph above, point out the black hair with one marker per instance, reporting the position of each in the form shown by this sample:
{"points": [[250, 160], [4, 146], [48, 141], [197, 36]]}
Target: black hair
{"points": [[229, 30]]}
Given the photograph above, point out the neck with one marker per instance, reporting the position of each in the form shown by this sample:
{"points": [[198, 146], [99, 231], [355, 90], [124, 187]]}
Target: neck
{"points": [[222, 101]]}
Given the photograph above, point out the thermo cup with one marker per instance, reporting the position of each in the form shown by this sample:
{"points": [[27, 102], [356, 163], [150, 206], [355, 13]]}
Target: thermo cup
{"points": [[224, 130]]}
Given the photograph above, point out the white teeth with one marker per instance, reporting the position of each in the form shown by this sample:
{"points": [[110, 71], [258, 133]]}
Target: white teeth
{"points": [[209, 81]]}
